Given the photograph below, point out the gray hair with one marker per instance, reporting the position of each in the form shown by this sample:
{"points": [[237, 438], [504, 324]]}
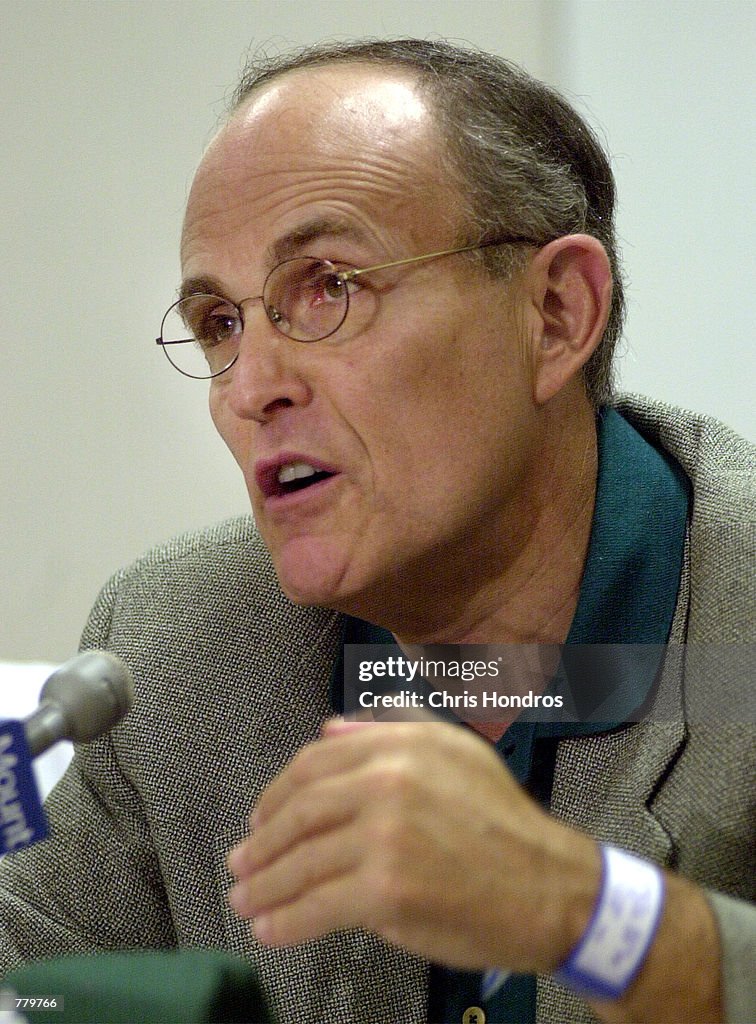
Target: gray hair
{"points": [[522, 158]]}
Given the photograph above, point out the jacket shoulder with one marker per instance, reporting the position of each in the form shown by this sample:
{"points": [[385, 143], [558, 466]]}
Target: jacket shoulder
{"points": [[207, 584], [721, 468], [704, 446]]}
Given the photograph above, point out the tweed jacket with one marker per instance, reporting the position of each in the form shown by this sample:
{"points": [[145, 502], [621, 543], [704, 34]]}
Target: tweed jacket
{"points": [[232, 680]]}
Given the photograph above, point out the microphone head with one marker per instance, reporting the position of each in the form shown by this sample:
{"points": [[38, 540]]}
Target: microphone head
{"points": [[93, 692]]}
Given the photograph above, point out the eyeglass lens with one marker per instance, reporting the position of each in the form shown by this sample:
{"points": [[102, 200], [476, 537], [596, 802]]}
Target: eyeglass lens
{"points": [[304, 298]]}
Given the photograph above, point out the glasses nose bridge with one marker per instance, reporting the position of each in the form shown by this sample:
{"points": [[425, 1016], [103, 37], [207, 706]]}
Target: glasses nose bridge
{"points": [[242, 302], [252, 350], [267, 321]]}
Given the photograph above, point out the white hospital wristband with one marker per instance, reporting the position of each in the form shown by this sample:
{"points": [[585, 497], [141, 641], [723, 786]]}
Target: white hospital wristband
{"points": [[623, 925]]}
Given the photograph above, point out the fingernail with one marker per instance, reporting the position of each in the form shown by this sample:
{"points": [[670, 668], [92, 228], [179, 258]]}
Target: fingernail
{"points": [[236, 899], [340, 725], [262, 928]]}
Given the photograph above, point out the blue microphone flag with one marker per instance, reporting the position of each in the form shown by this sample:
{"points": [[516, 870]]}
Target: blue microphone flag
{"points": [[22, 819]]}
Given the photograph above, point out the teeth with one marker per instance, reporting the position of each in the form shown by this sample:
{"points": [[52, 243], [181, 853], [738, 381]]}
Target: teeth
{"points": [[295, 471]]}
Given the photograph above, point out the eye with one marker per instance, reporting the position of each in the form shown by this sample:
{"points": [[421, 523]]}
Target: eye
{"points": [[217, 328], [333, 286], [210, 320], [327, 286], [307, 298]]}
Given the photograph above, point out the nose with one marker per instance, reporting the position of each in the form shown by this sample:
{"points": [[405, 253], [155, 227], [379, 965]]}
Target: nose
{"points": [[267, 375]]}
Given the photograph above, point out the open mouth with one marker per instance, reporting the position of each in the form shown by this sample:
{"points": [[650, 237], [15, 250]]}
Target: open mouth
{"points": [[279, 480], [299, 477]]}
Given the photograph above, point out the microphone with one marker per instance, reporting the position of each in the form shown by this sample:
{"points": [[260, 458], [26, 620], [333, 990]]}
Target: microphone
{"points": [[80, 701]]}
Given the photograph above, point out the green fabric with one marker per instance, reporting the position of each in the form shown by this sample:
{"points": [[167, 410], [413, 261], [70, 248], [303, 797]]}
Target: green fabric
{"points": [[173, 987], [632, 572]]}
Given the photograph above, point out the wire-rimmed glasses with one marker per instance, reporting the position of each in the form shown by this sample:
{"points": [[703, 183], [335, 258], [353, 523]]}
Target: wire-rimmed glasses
{"points": [[305, 298]]}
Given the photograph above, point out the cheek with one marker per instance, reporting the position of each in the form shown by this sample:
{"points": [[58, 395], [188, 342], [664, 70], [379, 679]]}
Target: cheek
{"points": [[227, 425], [458, 414], [450, 383]]}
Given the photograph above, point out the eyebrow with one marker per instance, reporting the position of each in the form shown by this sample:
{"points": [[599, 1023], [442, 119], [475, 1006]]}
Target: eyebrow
{"points": [[284, 248], [200, 286], [294, 241]]}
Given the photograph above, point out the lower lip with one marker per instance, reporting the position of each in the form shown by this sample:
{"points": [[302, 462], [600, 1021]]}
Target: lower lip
{"points": [[300, 499]]}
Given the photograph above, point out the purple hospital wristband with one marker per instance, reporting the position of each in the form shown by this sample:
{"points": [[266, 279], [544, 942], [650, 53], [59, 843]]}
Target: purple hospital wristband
{"points": [[622, 927]]}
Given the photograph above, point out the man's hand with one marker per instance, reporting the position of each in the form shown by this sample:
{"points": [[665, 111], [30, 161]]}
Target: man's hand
{"points": [[417, 832]]}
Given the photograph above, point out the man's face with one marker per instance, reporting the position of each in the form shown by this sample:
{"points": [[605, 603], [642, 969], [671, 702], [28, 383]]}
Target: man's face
{"points": [[419, 407]]}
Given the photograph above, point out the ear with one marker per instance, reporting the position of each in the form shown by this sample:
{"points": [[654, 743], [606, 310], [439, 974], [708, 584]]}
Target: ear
{"points": [[571, 291]]}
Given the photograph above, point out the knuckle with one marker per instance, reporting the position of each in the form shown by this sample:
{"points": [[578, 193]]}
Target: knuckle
{"points": [[393, 779], [389, 848], [389, 894], [384, 833], [306, 871], [303, 768], [302, 816]]}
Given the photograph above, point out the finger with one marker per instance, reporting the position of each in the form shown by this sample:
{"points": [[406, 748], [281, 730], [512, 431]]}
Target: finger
{"points": [[382, 779], [333, 905], [322, 806], [378, 716], [343, 726], [331, 755], [300, 870]]}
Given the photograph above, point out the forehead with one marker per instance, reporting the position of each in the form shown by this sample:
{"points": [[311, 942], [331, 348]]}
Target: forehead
{"points": [[349, 145]]}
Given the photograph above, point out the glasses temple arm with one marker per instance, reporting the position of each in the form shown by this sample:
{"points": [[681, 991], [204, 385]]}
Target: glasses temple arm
{"points": [[349, 275]]}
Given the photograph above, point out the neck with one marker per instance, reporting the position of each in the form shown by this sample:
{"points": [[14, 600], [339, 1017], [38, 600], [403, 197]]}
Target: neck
{"points": [[533, 598], [517, 585]]}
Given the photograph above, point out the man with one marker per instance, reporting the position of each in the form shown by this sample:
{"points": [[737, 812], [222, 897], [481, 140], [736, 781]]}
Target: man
{"points": [[399, 261]]}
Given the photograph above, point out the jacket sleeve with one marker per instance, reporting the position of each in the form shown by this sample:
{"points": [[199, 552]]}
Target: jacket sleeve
{"points": [[736, 921], [95, 884]]}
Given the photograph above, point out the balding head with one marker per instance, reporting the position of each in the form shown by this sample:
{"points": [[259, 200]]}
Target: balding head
{"points": [[372, 123], [523, 161]]}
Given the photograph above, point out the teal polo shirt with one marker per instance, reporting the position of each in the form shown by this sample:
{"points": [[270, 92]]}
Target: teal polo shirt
{"points": [[627, 596]]}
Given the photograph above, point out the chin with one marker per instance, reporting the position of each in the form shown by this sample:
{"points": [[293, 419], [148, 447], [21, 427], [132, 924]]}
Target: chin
{"points": [[309, 576], [303, 595]]}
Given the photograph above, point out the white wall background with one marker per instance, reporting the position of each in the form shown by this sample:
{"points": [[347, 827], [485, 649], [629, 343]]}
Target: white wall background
{"points": [[673, 85], [107, 105]]}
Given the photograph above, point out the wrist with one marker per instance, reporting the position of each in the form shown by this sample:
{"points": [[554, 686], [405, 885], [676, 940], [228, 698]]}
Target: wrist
{"points": [[577, 882], [616, 940], [681, 976]]}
